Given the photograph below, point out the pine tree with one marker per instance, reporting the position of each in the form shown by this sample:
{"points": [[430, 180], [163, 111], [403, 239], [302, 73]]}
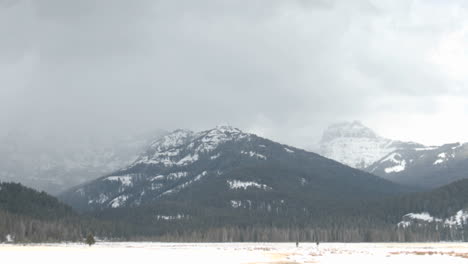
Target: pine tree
{"points": [[90, 240]]}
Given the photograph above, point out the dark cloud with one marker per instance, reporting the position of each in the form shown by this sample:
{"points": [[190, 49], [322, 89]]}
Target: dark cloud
{"points": [[282, 68]]}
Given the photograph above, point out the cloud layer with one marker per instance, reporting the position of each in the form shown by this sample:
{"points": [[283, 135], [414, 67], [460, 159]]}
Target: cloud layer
{"points": [[283, 69]]}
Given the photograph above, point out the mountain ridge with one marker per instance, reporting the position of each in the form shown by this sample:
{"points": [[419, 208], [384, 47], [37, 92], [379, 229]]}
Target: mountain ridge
{"points": [[183, 160], [356, 145]]}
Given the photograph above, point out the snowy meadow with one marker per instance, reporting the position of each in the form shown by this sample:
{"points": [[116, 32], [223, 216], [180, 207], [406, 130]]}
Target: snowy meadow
{"points": [[249, 253]]}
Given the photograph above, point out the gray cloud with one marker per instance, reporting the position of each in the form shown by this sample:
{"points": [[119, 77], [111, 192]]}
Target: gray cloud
{"points": [[285, 69]]}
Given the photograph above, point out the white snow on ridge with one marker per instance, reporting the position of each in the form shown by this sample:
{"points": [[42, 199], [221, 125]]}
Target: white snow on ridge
{"points": [[172, 140], [125, 180], [289, 150], [213, 138], [426, 148], [236, 184], [167, 150]]}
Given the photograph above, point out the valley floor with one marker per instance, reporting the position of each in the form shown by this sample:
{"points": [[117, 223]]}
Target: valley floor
{"points": [[234, 253]]}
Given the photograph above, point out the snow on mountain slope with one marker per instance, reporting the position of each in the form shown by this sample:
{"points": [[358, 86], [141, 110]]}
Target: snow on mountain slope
{"points": [[356, 145], [427, 167], [219, 165], [169, 165]]}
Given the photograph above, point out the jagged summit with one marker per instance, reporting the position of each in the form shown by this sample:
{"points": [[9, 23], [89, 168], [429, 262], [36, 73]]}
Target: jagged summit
{"points": [[356, 145]]}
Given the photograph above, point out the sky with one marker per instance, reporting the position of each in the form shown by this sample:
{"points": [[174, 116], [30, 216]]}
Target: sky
{"points": [[281, 69]]}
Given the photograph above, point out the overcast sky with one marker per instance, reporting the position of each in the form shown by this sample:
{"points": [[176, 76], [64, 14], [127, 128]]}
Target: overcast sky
{"points": [[282, 69]]}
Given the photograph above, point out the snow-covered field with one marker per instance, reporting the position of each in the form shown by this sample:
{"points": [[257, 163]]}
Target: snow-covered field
{"points": [[251, 253]]}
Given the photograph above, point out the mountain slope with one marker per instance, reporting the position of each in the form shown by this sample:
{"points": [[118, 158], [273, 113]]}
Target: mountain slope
{"points": [[356, 145], [227, 168], [27, 215], [427, 168]]}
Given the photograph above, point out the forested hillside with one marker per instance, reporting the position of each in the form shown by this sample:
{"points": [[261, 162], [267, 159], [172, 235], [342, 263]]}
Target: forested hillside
{"points": [[27, 215], [327, 220]]}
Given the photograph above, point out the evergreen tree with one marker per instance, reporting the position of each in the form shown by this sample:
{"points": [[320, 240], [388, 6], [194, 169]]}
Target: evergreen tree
{"points": [[90, 240]]}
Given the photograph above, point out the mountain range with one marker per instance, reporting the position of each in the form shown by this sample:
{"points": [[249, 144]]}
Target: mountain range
{"points": [[405, 163], [227, 168], [427, 167]]}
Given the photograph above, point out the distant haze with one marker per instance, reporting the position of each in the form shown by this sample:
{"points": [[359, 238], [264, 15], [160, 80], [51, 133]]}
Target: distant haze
{"points": [[281, 69]]}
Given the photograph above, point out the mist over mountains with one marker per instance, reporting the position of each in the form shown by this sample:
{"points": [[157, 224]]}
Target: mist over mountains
{"points": [[54, 163]]}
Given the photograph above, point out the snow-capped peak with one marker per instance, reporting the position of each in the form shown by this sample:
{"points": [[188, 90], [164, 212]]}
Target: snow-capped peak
{"points": [[172, 140], [184, 147], [358, 146], [348, 130]]}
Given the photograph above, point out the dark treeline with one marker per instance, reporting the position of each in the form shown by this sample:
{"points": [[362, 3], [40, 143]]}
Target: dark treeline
{"points": [[37, 217]]}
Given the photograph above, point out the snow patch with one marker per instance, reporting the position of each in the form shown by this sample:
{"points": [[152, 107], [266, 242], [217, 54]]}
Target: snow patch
{"points": [[119, 201], [254, 154], [459, 219], [397, 168], [156, 178], [235, 184], [177, 175], [184, 185], [442, 157], [170, 217], [124, 180], [100, 200], [289, 150], [215, 156], [9, 238], [189, 159]]}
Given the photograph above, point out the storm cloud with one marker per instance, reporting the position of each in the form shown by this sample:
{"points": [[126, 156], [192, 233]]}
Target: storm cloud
{"points": [[282, 69]]}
